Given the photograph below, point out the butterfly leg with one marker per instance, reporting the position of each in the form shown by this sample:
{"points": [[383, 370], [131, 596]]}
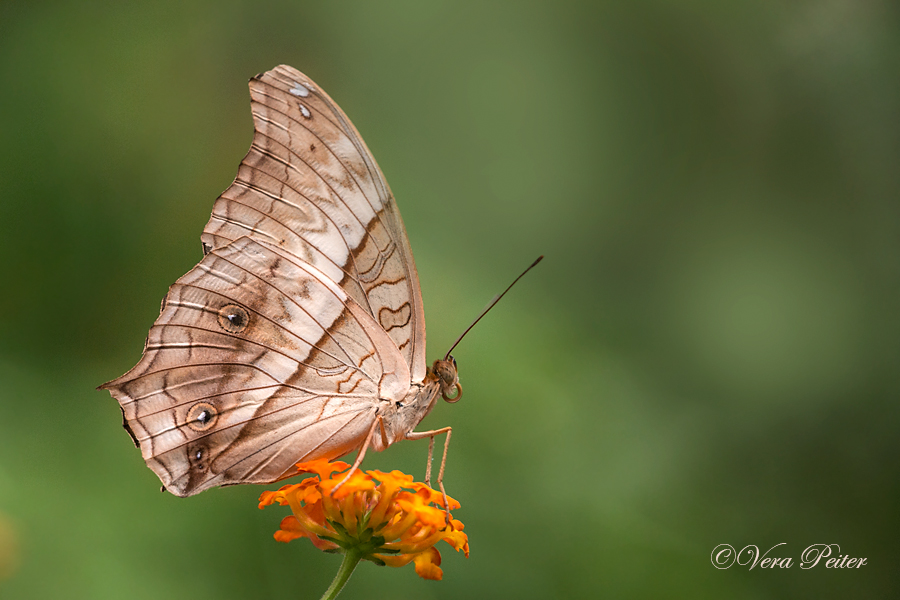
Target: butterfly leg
{"points": [[360, 455], [418, 435], [429, 461]]}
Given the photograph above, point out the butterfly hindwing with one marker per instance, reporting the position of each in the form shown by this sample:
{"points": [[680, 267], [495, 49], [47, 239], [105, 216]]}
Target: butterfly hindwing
{"points": [[256, 361]]}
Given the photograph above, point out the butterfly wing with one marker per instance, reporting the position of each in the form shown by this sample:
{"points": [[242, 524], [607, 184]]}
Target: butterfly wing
{"points": [[304, 314], [310, 186], [257, 360]]}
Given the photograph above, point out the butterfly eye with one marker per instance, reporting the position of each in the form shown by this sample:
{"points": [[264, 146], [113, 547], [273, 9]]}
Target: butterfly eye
{"points": [[233, 318], [202, 416]]}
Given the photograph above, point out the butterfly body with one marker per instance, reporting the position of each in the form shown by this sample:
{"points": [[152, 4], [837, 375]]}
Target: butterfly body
{"points": [[301, 332]]}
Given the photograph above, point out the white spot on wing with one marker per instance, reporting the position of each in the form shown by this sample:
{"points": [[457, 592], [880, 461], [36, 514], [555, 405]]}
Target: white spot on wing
{"points": [[300, 90], [305, 112]]}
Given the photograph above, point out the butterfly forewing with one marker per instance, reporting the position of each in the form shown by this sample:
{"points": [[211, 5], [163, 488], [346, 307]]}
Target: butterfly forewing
{"points": [[310, 185]]}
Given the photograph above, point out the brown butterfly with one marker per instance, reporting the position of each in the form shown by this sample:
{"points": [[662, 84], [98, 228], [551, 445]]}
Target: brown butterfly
{"points": [[301, 334]]}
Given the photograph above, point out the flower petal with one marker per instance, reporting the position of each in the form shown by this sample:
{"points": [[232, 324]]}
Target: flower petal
{"points": [[395, 478], [427, 564], [322, 467], [456, 538], [290, 530], [359, 481], [433, 496]]}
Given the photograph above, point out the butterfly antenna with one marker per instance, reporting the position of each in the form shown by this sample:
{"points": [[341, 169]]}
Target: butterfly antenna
{"points": [[490, 305]]}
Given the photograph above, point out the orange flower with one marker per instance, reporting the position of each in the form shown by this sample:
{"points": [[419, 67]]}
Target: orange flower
{"points": [[386, 518]]}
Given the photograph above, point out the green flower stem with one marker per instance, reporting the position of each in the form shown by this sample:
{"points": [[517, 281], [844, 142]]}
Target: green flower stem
{"points": [[351, 559]]}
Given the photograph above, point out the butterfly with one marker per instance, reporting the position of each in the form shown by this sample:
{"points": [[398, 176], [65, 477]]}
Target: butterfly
{"points": [[301, 333]]}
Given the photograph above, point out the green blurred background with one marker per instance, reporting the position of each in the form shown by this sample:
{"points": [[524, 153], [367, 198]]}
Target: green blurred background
{"points": [[707, 355]]}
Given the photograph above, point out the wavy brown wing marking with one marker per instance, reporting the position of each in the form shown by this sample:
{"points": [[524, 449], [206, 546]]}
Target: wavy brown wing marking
{"points": [[257, 360], [310, 185]]}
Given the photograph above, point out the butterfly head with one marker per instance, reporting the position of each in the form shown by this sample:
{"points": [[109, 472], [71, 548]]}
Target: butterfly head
{"points": [[447, 375]]}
